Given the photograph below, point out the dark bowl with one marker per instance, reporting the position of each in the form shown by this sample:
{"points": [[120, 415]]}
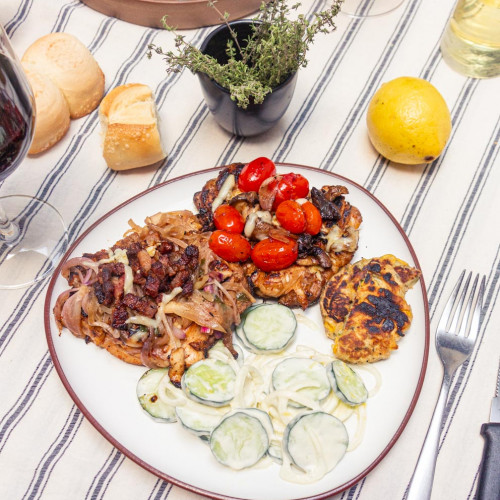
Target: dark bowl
{"points": [[256, 118]]}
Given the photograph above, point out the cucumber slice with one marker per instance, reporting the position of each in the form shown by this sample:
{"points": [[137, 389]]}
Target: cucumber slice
{"points": [[346, 383], [199, 423], [239, 441], [240, 334], [263, 416], [275, 452], [315, 442], [147, 394], [302, 375], [268, 327], [209, 381]]}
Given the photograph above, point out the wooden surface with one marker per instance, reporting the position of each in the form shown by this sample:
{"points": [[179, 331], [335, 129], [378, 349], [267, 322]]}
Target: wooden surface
{"points": [[182, 14]]}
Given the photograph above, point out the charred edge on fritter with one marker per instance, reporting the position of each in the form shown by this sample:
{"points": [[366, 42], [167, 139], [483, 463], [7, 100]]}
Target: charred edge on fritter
{"points": [[384, 312], [334, 301]]}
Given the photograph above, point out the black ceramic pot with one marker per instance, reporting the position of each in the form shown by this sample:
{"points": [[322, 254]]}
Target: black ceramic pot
{"points": [[256, 118]]}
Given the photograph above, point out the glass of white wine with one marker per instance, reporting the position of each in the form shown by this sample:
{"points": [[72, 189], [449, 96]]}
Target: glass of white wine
{"points": [[471, 41], [369, 8], [33, 236]]}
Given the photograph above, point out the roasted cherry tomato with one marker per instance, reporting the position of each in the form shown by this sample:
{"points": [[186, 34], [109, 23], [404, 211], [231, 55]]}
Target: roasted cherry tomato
{"points": [[229, 219], [313, 218], [273, 255], [255, 173], [230, 246], [291, 216], [291, 187]]}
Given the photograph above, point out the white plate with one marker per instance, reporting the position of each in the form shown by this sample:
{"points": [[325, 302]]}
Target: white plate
{"points": [[104, 387]]}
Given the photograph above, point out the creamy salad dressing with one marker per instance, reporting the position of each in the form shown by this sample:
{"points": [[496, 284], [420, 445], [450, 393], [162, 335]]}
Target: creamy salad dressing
{"points": [[253, 389]]}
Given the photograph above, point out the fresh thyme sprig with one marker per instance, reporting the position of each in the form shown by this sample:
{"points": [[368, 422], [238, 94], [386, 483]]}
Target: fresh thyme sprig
{"points": [[276, 49]]}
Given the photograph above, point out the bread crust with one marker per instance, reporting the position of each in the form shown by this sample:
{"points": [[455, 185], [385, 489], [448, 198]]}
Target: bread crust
{"points": [[52, 112], [129, 124], [70, 65]]}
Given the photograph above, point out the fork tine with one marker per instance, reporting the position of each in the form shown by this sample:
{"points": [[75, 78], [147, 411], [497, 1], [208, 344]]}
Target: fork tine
{"points": [[476, 315], [464, 330], [457, 312], [450, 305]]}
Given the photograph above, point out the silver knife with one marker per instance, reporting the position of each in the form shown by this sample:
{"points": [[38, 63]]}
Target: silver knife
{"points": [[489, 474]]}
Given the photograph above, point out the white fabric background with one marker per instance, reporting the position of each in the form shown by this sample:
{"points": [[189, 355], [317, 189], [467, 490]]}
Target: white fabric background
{"points": [[450, 210]]}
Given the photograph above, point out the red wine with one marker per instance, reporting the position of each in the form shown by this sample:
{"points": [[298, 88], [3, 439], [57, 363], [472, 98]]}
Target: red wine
{"points": [[16, 115]]}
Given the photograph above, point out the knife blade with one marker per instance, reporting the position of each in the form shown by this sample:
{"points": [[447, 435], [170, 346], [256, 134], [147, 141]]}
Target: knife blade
{"points": [[489, 474]]}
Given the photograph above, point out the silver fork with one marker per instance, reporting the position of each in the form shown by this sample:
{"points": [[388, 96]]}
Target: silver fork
{"points": [[455, 338]]}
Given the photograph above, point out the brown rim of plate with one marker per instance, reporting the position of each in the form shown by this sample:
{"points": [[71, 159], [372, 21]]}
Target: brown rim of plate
{"points": [[166, 477], [182, 14]]}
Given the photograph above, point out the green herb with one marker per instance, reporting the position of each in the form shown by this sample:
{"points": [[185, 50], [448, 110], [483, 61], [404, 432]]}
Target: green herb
{"points": [[242, 297], [276, 49]]}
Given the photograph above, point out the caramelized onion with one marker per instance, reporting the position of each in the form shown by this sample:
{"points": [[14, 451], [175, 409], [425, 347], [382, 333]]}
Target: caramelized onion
{"points": [[71, 313], [61, 300], [78, 261], [197, 309], [146, 352]]}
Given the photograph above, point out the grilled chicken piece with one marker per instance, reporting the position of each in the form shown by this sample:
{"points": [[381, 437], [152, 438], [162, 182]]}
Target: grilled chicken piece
{"points": [[167, 329], [319, 257], [364, 308], [295, 286], [177, 366]]}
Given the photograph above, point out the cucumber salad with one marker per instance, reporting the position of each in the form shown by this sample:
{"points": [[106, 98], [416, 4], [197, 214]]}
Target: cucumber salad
{"points": [[273, 404]]}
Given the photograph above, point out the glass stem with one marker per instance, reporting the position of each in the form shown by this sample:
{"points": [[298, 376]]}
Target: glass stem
{"points": [[9, 231]]}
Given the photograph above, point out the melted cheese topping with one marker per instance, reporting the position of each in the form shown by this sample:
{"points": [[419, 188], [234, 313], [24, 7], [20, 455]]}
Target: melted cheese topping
{"points": [[143, 320], [225, 189]]}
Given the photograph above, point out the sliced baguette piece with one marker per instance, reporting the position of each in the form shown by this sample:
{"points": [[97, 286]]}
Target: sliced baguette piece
{"points": [[129, 125]]}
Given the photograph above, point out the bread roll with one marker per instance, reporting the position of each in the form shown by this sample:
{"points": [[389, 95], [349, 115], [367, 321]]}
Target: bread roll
{"points": [[52, 112], [129, 124], [70, 65]]}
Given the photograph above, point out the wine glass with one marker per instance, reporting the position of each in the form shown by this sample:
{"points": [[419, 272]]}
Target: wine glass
{"points": [[33, 235], [369, 8]]}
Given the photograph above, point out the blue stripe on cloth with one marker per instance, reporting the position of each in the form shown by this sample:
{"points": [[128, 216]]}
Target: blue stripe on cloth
{"points": [[53, 454], [25, 399], [161, 490], [101, 480], [338, 145]]}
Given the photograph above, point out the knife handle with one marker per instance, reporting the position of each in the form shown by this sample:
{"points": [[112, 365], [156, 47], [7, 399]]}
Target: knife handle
{"points": [[489, 476]]}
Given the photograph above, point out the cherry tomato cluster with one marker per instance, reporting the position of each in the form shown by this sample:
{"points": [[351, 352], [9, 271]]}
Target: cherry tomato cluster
{"points": [[299, 218], [227, 241], [288, 187], [270, 254]]}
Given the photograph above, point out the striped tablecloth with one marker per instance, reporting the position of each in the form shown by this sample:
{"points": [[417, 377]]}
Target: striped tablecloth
{"points": [[450, 210]]}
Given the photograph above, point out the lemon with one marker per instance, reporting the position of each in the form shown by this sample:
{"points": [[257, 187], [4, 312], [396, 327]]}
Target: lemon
{"points": [[408, 121]]}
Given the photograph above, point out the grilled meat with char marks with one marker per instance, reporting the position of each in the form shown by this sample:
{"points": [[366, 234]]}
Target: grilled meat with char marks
{"points": [[159, 297], [320, 256], [203, 199]]}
